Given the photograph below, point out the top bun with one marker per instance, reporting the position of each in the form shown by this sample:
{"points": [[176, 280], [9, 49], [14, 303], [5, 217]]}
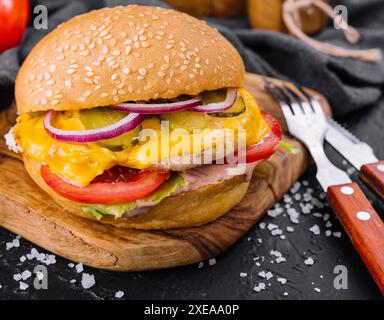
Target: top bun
{"points": [[120, 54]]}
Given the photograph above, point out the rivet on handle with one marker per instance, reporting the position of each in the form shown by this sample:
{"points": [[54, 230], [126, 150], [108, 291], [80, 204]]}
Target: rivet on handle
{"points": [[363, 215], [347, 190]]}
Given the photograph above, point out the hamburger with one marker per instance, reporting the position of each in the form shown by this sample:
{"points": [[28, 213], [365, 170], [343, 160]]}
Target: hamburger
{"points": [[91, 87]]}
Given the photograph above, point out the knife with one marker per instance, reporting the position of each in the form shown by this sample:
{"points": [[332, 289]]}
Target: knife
{"points": [[359, 154]]}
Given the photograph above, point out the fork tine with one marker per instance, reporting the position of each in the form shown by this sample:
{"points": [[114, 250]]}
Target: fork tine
{"points": [[313, 101], [306, 99], [277, 94], [294, 101]]}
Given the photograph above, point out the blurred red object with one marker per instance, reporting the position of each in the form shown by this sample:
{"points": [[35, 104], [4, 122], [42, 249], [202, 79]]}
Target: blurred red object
{"points": [[14, 17]]}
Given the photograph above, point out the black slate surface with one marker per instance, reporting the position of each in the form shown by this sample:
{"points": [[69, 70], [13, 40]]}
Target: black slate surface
{"points": [[222, 280]]}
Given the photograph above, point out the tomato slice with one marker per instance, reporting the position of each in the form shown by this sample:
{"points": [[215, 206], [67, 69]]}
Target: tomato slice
{"points": [[265, 148], [117, 185]]}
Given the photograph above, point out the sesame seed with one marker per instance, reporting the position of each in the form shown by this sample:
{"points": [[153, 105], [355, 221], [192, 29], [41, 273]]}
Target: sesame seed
{"points": [[50, 82], [104, 95], [68, 83], [52, 68], [71, 71], [87, 80], [114, 76], [60, 58], [126, 70], [142, 71], [145, 44], [116, 52], [128, 49], [192, 75], [183, 68], [161, 74], [84, 53], [104, 50], [54, 102], [44, 101], [87, 93]]}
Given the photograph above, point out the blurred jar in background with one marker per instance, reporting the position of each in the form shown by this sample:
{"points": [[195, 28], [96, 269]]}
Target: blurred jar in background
{"points": [[267, 14], [210, 8]]}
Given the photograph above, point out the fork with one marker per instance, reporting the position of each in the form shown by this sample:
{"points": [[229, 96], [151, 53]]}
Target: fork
{"points": [[307, 122]]}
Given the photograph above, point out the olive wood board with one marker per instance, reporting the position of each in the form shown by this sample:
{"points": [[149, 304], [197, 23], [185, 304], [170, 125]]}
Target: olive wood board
{"points": [[29, 212]]}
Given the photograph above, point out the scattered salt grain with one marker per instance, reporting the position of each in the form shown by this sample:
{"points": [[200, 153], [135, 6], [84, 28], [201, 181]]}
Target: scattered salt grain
{"points": [[212, 261], [87, 280], [23, 258], [328, 233], [79, 268], [71, 265], [17, 277], [26, 274], [271, 226], [15, 243], [285, 293], [73, 281], [200, 265], [119, 294], [282, 280], [243, 274], [259, 287], [23, 285], [317, 289], [290, 229], [262, 225], [328, 224], [309, 261], [337, 234], [315, 230]]}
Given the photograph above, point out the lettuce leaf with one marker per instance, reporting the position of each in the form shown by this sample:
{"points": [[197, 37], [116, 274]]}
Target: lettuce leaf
{"points": [[115, 210], [118, 210], [287, 147]]}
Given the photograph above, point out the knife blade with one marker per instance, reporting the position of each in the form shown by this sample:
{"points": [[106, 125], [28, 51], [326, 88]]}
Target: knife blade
{"points": [[359, 154], [356, 152]]}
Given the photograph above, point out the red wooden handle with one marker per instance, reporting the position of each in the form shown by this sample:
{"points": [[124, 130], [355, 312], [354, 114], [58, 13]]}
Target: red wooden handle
{"points": [[373, 177], [363, 226]]}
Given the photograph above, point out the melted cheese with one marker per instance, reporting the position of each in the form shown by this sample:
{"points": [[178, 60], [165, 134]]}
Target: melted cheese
{"points": [[81, 163]]}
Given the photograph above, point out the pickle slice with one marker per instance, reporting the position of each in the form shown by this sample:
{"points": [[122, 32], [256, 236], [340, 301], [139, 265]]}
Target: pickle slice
{"points": [[188, 120], [217, 96], [100, 117]]}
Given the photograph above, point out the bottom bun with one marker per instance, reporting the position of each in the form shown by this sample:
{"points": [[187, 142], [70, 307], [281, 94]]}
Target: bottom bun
{"points": [[187, 209]]}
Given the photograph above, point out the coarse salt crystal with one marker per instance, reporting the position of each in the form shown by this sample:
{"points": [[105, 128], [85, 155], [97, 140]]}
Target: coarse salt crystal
{"points": [[315, 230], [119, 294], [79, 268], [309, 261], [26, 274], [87, 280], [23, 285], [259, 287], [212, 261]]}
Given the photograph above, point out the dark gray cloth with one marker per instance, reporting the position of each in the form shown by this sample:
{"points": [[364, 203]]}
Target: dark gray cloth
{"points": [[348, 84]]}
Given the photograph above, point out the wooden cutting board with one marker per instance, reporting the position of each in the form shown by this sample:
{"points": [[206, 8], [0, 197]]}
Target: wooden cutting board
{"points": [[29, 212]]}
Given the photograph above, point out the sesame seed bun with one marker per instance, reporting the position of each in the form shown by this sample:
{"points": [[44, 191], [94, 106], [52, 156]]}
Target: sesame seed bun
{"points": [[187, 209], [120, 54]]}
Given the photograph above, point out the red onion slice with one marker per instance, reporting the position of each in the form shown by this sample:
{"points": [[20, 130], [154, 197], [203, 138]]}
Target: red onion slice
{"points": [[126, 124], [219, 106], [156, 108]]}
